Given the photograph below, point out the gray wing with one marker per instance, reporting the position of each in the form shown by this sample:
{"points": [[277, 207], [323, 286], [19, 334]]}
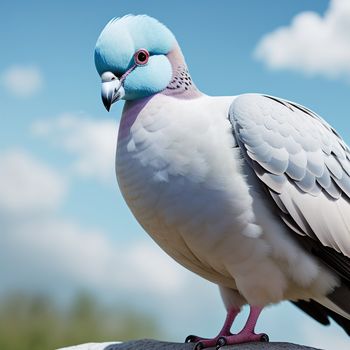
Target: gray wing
{"points": [[305, 166]]}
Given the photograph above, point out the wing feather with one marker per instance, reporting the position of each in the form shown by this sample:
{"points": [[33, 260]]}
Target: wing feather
{"points": [[302, 161]]}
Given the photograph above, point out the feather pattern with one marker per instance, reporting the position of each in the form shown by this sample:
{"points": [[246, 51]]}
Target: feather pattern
{"points": [[303, 162]]}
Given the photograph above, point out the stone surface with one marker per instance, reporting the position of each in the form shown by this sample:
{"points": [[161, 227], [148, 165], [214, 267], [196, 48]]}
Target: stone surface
{"points": [[149, 344]]}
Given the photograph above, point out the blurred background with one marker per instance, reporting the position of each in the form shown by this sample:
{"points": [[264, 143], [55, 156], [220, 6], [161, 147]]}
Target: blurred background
{"points": [[74, 264]]}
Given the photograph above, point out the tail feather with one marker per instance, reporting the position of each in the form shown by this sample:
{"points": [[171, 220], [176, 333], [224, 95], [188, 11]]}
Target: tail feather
{"points": [[323, 314], [340, 298]]}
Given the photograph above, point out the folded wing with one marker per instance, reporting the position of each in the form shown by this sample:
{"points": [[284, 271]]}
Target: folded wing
{"points": [[305, 167]]}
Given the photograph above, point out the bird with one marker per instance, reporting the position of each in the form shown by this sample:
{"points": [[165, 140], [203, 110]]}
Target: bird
{"points": [[251, 192]]}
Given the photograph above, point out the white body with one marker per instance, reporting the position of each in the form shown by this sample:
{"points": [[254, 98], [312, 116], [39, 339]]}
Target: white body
{"points": [[183, 177]]}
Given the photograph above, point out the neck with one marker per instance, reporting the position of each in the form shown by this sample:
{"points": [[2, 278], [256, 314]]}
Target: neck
{"points": [[181, 84]]}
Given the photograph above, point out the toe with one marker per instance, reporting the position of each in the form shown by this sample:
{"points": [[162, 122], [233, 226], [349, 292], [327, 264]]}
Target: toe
{"points": [[264, 337]]}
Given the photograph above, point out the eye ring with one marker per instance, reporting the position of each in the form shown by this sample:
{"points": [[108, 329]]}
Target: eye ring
{"points": [[141, 57]]}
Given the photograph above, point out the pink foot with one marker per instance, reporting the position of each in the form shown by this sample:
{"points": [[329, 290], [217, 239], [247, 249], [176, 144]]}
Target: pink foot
{"points": [[202, 343], [225, 337], [242, 337]]}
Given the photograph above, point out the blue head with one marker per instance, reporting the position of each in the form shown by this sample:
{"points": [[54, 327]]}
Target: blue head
{"points": [[130, 56]]}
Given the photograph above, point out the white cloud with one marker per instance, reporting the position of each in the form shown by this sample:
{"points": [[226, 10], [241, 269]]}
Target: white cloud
{"points": [[312, 43], [52, 251], [22, 81], [27, 185], [39, 247], [91, 142]]}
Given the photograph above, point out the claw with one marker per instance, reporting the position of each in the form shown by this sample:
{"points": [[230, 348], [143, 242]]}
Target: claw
{"points": [[225, 337], [190, 338], [198, 346], [221, 342], [264, 338]]}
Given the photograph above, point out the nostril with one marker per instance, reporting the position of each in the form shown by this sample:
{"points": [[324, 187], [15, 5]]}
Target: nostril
{"points": [[108, 77]]}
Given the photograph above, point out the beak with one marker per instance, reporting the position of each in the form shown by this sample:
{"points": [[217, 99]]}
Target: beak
{"points": [[111, 91]]}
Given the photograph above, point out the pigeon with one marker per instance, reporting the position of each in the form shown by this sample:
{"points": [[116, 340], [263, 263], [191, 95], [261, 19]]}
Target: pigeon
{"points": [[251, 192]]}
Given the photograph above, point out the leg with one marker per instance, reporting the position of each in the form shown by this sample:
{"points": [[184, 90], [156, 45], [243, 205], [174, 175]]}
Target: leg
{"points": [[247, 334], [202, 343]]}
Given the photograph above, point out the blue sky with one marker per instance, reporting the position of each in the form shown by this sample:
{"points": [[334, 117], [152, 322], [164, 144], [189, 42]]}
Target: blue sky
{"points": [[65, 225]]}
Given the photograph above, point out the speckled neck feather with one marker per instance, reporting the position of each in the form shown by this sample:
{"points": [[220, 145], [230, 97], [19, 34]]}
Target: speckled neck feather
{"points": [[181, 84]]}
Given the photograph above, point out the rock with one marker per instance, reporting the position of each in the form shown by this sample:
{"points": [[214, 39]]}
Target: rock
{"points": [[149, 344]]}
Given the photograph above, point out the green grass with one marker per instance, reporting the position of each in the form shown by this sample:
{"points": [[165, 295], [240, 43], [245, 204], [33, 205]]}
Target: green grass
{"points": [[38, 323]]}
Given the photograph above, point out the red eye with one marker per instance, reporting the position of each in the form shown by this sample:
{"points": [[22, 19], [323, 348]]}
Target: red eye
{"points": [[141, 57]]}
